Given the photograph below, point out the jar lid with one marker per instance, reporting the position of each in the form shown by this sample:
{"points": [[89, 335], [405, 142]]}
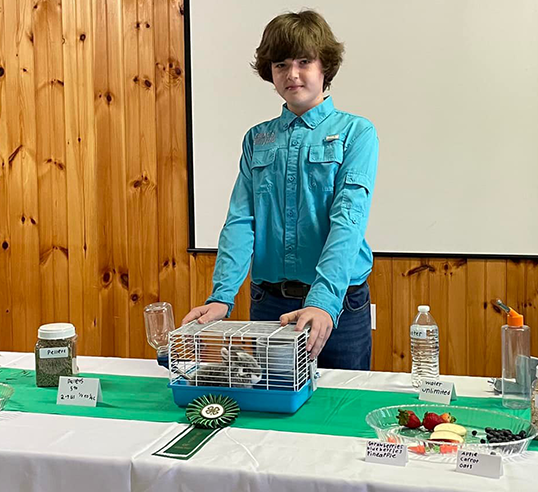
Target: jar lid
{"points": [[56, 331]]}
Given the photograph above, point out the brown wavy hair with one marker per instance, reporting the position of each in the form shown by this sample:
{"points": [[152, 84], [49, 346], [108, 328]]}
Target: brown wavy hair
{"points": [[305, 34]]}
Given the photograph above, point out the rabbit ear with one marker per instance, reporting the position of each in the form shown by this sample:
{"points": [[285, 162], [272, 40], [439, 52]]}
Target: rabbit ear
{"points": [[234, 353]]}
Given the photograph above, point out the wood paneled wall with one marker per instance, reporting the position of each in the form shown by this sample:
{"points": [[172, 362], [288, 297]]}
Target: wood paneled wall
{"points": [[93, 196], [93, 180]]}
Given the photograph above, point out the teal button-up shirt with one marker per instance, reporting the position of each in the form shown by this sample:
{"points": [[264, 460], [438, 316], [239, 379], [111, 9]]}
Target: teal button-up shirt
{"points": [[300, 206]]}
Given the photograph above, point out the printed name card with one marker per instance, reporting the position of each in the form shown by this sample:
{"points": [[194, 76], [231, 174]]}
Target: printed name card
{"points": [[386, 453], [437, 391], [84, 392], [483, 465]]}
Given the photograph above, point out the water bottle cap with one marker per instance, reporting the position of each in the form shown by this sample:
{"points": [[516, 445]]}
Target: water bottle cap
{"points": [[515, 319], [424, 309]]}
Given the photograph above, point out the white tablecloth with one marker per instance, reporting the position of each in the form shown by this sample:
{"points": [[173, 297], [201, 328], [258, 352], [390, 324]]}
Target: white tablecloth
{"points": [[41, 453]]}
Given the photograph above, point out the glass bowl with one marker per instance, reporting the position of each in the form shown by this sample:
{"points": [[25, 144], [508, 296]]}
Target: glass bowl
{"points": [[384, 422], [6, 391]]}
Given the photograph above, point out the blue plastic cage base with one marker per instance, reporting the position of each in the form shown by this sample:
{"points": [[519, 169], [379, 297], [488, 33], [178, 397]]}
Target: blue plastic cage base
{"points": [[255, 399]]}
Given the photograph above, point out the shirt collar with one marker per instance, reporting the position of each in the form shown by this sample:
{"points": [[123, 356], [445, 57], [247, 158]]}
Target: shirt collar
{"points": [[312, 118]]}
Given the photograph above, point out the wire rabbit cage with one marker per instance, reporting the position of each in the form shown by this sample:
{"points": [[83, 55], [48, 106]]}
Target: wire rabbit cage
{"points": [[261, 365]]}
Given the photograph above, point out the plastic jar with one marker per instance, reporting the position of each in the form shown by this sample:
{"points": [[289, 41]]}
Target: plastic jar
{"points": [[55, 353]]}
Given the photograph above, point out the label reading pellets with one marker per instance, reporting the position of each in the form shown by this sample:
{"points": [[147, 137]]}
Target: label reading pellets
{"points": [[53, 353]]}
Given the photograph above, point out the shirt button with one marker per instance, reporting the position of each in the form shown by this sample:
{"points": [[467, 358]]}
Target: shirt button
{"points": [[295, 143], [291, 179], [290, 213], [289, 248]]}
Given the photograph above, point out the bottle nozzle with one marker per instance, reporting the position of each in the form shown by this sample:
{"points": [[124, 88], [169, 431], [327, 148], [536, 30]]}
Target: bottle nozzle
{"points": [[514, 318], [503, 306]]}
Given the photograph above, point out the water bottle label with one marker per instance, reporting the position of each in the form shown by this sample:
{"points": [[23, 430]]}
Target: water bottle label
{"points": [[419, 332]]}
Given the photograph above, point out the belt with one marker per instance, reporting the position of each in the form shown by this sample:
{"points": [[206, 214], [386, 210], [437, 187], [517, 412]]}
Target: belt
{"points": [[293, 289]]}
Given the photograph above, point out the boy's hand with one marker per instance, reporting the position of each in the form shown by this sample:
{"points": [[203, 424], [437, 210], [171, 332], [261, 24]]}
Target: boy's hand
{"points": [[204, 314], [321, 326]]}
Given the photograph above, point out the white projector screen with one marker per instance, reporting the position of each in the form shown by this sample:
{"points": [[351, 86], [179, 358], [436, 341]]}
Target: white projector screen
{"points": [[451, 86]]}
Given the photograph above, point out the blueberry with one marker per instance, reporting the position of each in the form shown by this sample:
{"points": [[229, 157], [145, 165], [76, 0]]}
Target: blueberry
{"points": [[474, 433], [522, 434], [488, 430], [482, 441]]}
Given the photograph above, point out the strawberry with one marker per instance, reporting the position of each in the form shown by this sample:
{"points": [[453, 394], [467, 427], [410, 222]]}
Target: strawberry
{"points": [[447, 418], [408, 418], [431, 419]]}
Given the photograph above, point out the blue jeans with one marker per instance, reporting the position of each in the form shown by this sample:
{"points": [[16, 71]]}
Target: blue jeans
{"points": [[350, 344]]}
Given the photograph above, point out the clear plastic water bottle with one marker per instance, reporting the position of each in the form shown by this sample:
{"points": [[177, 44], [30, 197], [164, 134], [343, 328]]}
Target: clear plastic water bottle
{"points": [[424, 347]]}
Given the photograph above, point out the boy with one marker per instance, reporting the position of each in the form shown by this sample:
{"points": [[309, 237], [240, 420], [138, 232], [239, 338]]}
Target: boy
{"points": [[300, 204]]}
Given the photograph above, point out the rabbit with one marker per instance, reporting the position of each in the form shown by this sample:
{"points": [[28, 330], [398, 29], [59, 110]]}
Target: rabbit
{"points": [[237, 369]]}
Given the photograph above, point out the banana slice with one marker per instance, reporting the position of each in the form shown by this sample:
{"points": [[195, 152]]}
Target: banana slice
{"points": [[455, 428], [446, 436]]}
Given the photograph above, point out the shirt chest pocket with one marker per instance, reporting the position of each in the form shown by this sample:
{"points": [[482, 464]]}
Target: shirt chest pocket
{"points": [[323, 164], [263, 170]]}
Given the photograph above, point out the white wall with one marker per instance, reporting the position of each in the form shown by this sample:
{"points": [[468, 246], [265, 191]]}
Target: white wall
{"points": [[452, 87]]}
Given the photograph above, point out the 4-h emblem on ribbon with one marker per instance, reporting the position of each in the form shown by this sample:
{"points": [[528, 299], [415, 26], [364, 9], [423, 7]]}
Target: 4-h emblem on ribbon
{"points": [[212, 411]]}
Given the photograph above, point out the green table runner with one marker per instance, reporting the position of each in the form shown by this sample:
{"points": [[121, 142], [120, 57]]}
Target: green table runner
{"points": [[338, 412]]}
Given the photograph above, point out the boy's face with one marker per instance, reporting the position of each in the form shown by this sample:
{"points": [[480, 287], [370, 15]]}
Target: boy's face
{"points": [[299, 82]]}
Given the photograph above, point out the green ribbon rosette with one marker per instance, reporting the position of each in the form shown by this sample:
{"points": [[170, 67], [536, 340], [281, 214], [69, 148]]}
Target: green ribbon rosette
{"points": [[212, 411]]}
